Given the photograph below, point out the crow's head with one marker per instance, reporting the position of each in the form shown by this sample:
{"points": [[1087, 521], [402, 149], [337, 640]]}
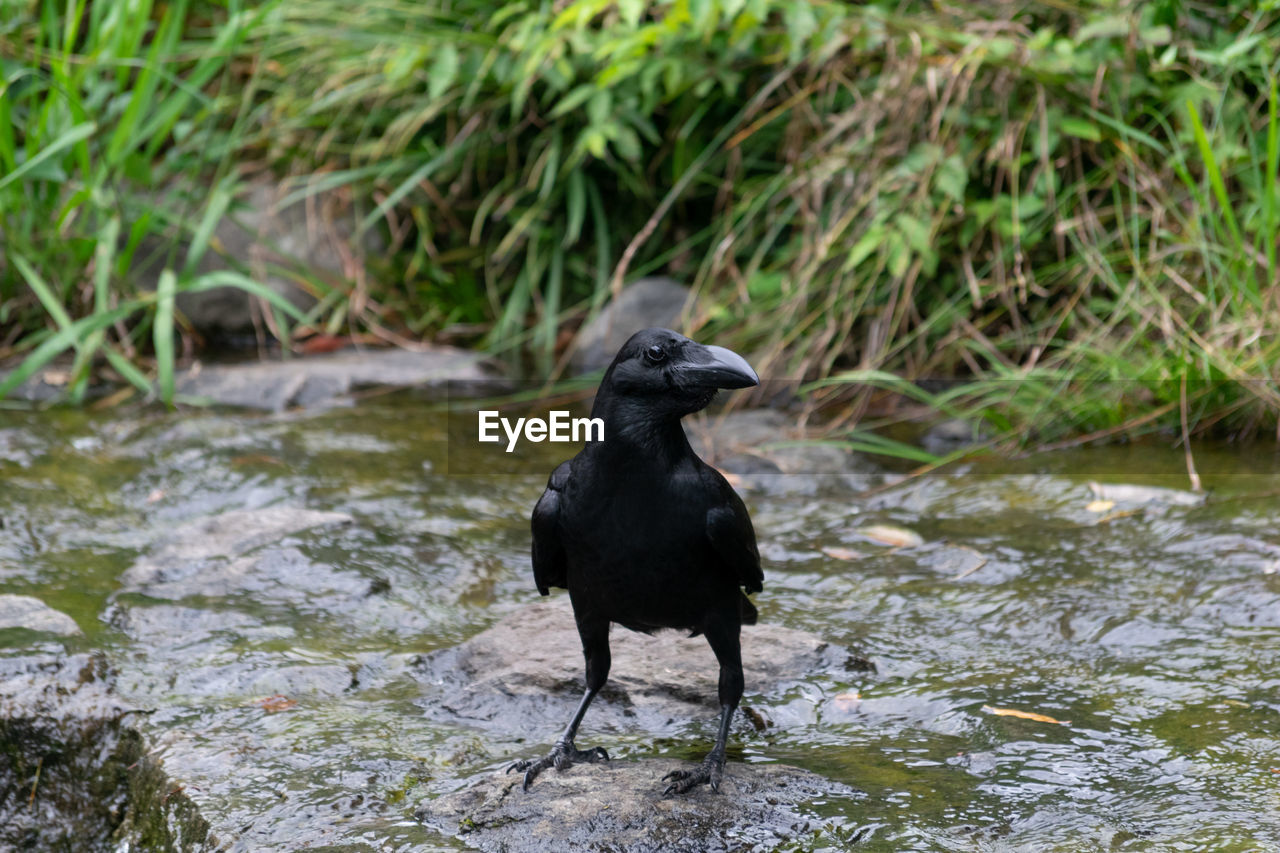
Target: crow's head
{"points": [[665, 373]]}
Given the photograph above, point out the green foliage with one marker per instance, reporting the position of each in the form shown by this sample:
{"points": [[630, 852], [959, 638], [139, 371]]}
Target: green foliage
{"points": [[100, 105], [1072, 206], [1009, 193]]}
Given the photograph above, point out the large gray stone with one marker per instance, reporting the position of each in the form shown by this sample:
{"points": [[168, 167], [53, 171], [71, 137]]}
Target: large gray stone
{"points": [[524, 675], [620, 807], [313, 380], [315, 236], [23, 611], [767, 450], [645, 303]]}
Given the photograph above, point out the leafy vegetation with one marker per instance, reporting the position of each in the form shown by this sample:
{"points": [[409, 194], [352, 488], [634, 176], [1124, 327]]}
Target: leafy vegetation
{"points": [[1069, 208], [100, 103]]}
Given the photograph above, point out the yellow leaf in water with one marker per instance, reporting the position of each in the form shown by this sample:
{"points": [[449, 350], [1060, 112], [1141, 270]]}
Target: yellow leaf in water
{"points": [[276, 703], [1024, 715], [1099, 506], [837, 553], [847, 701], [887, 534]]}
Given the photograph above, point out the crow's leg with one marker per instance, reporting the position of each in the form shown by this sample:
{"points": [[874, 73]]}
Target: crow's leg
{"points": [[724, 640], [595, 648]]}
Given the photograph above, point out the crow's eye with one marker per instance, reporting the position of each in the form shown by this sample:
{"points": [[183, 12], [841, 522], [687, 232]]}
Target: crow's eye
{"points": [[656, 354]]}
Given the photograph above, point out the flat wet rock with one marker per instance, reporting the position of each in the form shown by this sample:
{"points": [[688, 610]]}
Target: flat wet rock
{"points": [[277, 385], [620, 807], [524, 675], [204, 556], [32, 614]]}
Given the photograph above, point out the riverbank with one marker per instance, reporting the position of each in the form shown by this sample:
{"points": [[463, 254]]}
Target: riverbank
{"points": [[1063, 216]]}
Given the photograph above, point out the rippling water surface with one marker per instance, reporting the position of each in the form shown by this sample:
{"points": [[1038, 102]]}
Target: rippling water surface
{"points": [[1145, 634]]}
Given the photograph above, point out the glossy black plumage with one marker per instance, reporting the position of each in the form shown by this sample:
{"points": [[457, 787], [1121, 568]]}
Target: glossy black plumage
{"points": [[645, 534]]}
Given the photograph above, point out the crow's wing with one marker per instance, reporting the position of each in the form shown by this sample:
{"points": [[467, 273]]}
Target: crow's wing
{"points": [[734, 539], [550, 566]]}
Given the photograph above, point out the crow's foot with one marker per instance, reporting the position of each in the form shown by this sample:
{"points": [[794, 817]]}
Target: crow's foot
{"points": [[710, 771], [562, 756]]}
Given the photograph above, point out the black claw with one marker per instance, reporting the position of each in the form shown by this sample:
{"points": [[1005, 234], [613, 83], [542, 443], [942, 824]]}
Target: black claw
{"points": [[561, 757], [710, 772]]}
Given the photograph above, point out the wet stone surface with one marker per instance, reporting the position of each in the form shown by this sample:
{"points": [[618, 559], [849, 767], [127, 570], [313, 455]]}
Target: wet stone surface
{"points": [[76, 774], [323, 379], [32, 614], [524, 676], [620, 806], [318, 624]]}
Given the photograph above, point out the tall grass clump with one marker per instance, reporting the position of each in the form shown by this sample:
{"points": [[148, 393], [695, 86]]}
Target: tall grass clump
{"points": [[1066, 210], [521, 151], [102, 106], [1069, 206]]}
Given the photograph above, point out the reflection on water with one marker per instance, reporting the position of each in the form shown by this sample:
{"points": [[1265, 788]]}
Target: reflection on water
{"points": [[1150, 627]]}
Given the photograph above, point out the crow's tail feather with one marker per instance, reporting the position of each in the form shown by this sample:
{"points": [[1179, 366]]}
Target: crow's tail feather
{"points": [[749, 614]]}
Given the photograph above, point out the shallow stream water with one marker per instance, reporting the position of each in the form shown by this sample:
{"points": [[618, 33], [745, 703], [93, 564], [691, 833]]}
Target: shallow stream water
{"points": [[1142, 625]]}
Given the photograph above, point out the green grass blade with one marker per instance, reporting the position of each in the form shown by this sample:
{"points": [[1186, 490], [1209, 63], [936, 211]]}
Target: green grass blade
{"points": [[213, 213], [407, 186], [864, 441], [8, 144], [128, 370], [223, 278], [1216, 183], [60, 341], [52, 304], [162, 333], [65, 140], [1269, 201]]}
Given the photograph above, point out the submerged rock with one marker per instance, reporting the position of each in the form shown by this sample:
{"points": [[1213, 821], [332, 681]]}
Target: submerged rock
{"points": [[953, 434], [23, 611], [620, 806]]}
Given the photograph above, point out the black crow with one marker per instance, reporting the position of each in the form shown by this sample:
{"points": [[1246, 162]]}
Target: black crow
{"points": [[645, 534]]}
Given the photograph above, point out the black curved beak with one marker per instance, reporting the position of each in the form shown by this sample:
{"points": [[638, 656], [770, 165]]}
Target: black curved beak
{"points": [[716, 367]]}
